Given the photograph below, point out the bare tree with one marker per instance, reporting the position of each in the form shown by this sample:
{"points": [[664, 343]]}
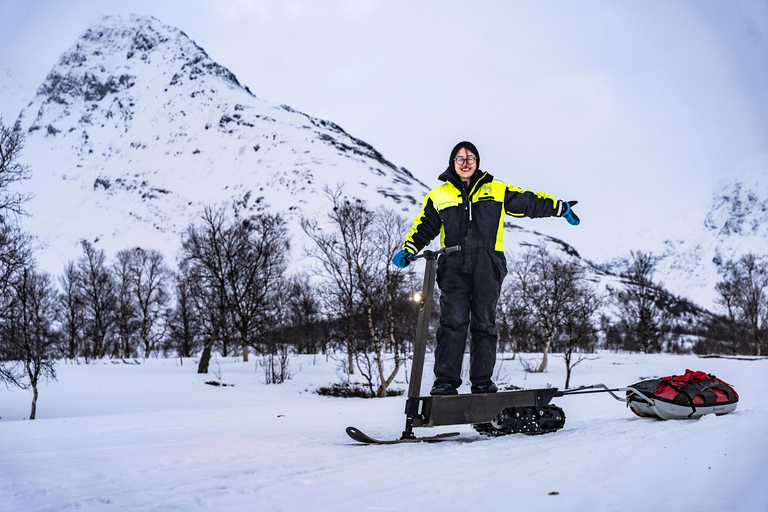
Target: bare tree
{"points": [[644, 321], [335, 262], [544, 286], [149, 281], [388, 232], [304, 311], [513, 321], [261, 253], [98, 293], [743, 293], [381, 235], [355, 258], [236, 264], [34, 340], [125, 304], [15, 255], [204, 269], [579, 326], [275, 361], [184, 323], [12, 171], [71, 311], [15, 252]]}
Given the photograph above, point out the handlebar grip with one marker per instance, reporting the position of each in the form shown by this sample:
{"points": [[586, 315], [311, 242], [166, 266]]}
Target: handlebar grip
{"points": [[432, 255]]}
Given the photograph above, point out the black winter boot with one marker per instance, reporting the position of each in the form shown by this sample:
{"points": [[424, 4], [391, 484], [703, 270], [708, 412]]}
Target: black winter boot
{"points": [[443, 388], [486, 387]]}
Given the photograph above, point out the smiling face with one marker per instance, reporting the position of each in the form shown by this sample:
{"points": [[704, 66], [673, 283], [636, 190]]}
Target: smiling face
{"points": [[465, 164]]}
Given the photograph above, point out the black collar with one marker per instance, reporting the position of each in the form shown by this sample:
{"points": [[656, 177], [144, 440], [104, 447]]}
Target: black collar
{"points": [[477, 179]]}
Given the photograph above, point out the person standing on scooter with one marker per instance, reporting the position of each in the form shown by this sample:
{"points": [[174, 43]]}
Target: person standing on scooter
{"points": [[468, 210]]}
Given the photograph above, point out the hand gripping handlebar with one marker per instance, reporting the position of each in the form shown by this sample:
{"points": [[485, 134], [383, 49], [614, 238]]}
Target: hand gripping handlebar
{"points": [[433, 255]]}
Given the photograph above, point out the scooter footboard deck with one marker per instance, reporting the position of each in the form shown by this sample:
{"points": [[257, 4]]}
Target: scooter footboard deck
{"points": [[434, 411]]}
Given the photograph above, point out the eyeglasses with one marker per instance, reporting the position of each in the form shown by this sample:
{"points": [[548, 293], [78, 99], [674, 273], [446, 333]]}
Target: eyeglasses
{"points": [[471, 160]]}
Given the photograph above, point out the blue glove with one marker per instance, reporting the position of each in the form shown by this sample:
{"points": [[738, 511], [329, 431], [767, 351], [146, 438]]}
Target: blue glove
{"points": [[401, 259], [571, 217]]}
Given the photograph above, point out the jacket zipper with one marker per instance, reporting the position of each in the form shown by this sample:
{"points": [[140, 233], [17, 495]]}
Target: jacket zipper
{"points": [[467, 201], [466, 194]]}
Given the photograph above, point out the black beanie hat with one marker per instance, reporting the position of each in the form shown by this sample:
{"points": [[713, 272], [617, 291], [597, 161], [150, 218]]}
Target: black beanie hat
{"points": [[469, 147]]}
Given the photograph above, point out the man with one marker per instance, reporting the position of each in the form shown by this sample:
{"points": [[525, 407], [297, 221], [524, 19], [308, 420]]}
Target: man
{"points": [[468, 210]]}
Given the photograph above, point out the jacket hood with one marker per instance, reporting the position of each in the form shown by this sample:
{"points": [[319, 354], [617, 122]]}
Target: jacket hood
{"points": [[450, 173]]}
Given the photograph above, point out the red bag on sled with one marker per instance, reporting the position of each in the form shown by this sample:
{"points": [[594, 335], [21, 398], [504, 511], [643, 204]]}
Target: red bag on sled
{"points": [[686, 396]]}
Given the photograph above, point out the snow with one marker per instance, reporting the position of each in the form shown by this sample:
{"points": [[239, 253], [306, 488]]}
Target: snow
{"points": [[153, 436]]}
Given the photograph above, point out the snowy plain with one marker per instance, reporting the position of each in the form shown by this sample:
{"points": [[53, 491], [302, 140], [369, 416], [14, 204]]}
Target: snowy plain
{"points": [[154, 437]]}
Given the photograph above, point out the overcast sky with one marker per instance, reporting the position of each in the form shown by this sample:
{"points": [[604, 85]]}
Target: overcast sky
{"points": [[636, 109]]}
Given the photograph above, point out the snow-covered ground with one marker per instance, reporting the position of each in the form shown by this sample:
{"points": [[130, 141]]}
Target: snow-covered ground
{"points": [[154, 437]]}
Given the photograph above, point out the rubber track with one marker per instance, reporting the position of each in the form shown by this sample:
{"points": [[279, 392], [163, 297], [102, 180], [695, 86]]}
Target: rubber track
{"points": [[530, 421]]}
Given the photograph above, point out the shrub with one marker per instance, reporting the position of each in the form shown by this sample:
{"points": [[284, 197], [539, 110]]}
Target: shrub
{"points": [[346, 390]]}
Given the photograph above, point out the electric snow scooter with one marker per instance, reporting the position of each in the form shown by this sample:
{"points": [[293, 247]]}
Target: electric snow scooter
{"points": [[687, 396], [492, 414]]}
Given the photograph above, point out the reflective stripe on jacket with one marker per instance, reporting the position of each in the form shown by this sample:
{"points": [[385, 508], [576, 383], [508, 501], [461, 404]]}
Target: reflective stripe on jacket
{"points": [[473, 218]]}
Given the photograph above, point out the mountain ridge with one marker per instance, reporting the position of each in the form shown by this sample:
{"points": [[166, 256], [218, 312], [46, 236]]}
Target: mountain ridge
{"points": [[136, 122]]}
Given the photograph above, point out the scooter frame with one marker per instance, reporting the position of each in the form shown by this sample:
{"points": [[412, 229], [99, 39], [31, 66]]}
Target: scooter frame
{"points": [[433, 411]]}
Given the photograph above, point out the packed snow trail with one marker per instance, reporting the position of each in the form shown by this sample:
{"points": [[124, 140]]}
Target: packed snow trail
{"points": [[179, 444]]}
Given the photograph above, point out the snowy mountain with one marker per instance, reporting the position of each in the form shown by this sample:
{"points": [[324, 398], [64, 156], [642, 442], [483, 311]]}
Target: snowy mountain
{"points": [[734, 223], [136, 129]]}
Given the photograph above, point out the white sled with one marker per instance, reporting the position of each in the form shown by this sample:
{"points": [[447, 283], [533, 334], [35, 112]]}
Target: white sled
{"points": [[645, 406]]}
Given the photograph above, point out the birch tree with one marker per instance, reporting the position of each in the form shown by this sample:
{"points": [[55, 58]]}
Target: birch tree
{"points": [[544, 285], [97, 290], [645, 322], [33, 338], [743, 293], [355, 257], [236, 262]]}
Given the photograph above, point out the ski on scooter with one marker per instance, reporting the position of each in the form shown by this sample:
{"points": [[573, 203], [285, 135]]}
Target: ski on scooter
{"points": [[360, 437]]}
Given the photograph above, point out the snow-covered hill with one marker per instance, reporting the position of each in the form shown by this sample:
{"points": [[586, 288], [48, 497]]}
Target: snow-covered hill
{"points": [[136, 128], [735, 222]]}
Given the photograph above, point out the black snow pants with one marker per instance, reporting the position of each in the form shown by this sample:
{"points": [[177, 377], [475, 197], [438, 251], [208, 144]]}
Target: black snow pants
{"points": [[470, 285]]}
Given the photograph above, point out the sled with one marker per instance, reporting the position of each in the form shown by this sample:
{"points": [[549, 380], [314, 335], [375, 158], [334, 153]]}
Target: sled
{"points": [[687, 396], [678, 397]]}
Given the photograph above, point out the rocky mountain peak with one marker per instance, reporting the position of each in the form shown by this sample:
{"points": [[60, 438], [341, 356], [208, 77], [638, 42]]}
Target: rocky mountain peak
{"points": [[739, 206], [109, 55], [735, 223]]}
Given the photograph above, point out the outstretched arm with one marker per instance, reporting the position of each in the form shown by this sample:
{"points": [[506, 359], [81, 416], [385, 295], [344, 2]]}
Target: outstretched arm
{"points": [[524, 203]]}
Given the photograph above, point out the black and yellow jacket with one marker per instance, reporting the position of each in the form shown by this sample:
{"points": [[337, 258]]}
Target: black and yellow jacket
{"points": [[472, 216]]}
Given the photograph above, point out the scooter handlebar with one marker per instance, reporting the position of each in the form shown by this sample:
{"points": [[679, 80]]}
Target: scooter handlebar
{"points": [[433, 255]]}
